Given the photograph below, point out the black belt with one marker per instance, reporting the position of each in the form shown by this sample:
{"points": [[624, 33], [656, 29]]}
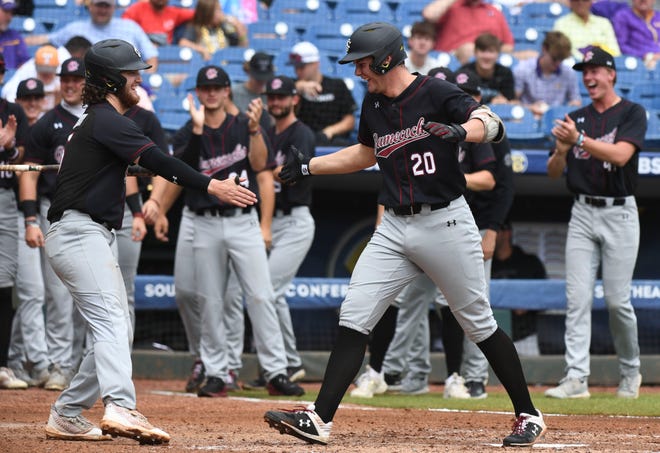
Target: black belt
{"points": [[104, 224], [600, 202], [223, 212], [417, 208]]}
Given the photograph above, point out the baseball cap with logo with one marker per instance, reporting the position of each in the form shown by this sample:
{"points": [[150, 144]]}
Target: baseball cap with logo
{"points": [[260, 66], [304, 52], [212, 76], [595, 56], [443, 73], [468, 82], [8, 5], [46, 60], [281, 85], [30, 87], [72, 67]]}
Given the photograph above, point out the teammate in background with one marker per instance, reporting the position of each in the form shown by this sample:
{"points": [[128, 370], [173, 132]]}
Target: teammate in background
{"points": [[30, 96], [599, 147], [293, 225], [13, 132], [42, 352], [427, 226], [511, 261], [222, 234], [133, 231], [87, 205], [420, 44], [327, 106], [259, 70]]}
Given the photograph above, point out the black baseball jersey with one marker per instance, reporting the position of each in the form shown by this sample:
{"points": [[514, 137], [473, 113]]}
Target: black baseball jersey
{"points": [[625, 121], [333, 103], [46, 145], [500, 82], [417, 166], [93, 170], [7, 178], [491, 207], [301, 136], [148, 123], [475, 157], [223, 154]]}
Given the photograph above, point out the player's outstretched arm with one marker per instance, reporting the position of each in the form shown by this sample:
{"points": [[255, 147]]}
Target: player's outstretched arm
{"points": [[347, 160]]}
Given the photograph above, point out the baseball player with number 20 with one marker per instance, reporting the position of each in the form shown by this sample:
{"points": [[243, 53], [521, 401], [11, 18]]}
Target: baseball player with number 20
{"points": [[87, 208], [599, 145], [410, 125]]}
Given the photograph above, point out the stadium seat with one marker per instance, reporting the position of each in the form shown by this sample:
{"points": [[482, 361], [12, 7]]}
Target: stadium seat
{"points": [[173, 121], [526, 37], [508, 60], [159, 85], [630, 71], [178, 59], [368, 11], [28, 25], [521, 127], [271, 35], [410, 12], [652, 138], [548, 120], [300, 14], [645, 93], [540, 11]]}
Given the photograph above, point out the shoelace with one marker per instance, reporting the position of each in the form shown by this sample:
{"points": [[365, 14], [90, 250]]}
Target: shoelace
{"points": [[78, 422], [197, 368], [296, 409], [519, 425]]}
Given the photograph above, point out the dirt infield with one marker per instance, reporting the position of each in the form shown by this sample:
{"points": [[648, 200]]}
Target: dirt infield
{"points": [[236, 425]]}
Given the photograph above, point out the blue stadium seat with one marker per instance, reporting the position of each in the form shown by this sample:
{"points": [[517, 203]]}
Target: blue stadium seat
{"points": [[173, 121], [28, 26], [526, 37], [300, 11], [271, 35], [541, 10], [645, 93], [548, 120], [410, 12], [368, 11], [652, 138], [521, 127], [159, 85], [630, 71], [178, 59]]}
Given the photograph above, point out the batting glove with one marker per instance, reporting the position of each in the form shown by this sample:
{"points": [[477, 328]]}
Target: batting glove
{"points": [[296, 169], [448, 132]]}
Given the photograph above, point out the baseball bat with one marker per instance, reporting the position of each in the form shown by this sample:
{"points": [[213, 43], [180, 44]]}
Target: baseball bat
{"points": [[133, 170]]}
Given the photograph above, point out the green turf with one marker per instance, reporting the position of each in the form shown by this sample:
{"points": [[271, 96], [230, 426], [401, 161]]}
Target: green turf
{"points": [[601, 402]]}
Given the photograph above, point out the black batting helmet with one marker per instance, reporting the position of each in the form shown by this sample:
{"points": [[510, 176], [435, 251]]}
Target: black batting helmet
{"points": [[378, 40], [105, 60]]}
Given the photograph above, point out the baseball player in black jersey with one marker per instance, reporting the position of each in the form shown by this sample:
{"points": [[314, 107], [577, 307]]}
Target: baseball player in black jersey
{"points": [[410, 125], [13, 132], [87, 207], [599, 146]]}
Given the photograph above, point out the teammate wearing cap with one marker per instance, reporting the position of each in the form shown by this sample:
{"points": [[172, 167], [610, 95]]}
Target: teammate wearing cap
{"points": [[13, 132], [218, 143], [44, 353], [87, 206], [599, 147], [30, 96], [410, 125]]}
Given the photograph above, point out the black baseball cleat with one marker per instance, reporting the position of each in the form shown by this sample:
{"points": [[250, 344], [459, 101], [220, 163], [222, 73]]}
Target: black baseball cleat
{"points": [[295, 373], [527, 429], [214, 388], [302, 422], [281, 385]]}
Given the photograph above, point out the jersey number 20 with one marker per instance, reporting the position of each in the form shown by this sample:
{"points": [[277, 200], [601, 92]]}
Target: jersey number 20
{"points": [[423, 164]]}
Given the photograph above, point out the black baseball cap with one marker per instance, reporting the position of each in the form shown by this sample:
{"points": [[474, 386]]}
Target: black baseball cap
{"points": [[281, 85], [595, 56], [30, 87], [468, 82], [443, 73], [72, 67], [260, 66], [212, 76]]}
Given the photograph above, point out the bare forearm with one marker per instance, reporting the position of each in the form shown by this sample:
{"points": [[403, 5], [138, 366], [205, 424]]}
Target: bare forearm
{"points": [[258, 152], [346, 160], [434, 10], [556, 164]]}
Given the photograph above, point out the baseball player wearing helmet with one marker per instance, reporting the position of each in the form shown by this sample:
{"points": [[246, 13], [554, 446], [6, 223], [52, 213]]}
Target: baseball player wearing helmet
{"points": [[49, 359], [13, 132], [599, 147], [86, 209], [410, 125]]}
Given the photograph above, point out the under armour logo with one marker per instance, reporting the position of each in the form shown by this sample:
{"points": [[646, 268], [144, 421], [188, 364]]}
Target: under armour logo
{"points": [[306, 423], [451, 222], [534, 428], [175, 180], [377, 104], [580, 120], [57, 126]]}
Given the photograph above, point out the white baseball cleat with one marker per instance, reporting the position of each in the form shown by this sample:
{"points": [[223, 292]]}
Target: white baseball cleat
{"points": [[119, 421]]}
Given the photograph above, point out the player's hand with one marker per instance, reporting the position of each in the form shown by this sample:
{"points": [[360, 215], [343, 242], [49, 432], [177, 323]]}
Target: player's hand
{"points": [[138, 229], [565, 130], [231, 191], [254, 111], [295, 168], [449, 132], [267, 235], [161, 228], [150, 211], [196, 114], [488, 244], [34, 237], [8, 131]]}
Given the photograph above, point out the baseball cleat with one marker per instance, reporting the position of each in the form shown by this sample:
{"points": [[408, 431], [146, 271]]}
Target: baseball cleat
{"points": [[629, 386], [295, 373], [196, 378], [302, 422], [72, 428], [369, 383], [476, 389], [213, 388], [569, 388], [281, 385], [527, 429], [8, 380], [455, 388], [122, 422]]}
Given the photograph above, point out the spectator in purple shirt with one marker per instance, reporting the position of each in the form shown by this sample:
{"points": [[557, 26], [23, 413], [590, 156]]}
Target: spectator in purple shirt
{"points": [[637, 30], [12, 44]]}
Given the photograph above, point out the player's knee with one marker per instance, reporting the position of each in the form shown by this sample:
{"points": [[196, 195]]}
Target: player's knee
{"points": [[477, 320]]}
